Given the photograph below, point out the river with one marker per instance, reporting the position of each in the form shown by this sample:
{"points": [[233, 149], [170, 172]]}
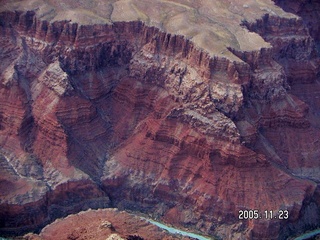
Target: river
{"points": [[196, 236], [308, 235], [176, 231]]}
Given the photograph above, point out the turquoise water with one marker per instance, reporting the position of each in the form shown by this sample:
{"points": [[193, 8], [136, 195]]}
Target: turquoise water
{"points": [[308, 235], [177, 231], [196, 236]]}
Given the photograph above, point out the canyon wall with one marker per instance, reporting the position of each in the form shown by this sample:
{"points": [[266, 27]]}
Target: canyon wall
{"points": [[127, 115]]}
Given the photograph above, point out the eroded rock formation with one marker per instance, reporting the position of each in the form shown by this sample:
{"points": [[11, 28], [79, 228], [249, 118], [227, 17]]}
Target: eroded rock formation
{"points": [[129, 115], [102, 224]]}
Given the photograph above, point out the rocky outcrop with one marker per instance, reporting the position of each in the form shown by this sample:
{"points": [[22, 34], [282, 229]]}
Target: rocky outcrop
{"points": [[128, 115], [102, 224], [294, 49], [308, 11]]}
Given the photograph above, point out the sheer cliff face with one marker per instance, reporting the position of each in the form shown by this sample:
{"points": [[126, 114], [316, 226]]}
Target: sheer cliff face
{"points": [[308, 10], [131, 115]]}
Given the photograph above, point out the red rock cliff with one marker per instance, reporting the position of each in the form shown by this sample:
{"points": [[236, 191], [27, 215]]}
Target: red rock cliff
{"points": [[128, 115]]}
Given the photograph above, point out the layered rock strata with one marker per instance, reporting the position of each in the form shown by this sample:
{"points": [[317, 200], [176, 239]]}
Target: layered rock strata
{"points": [[308, 11], [128, 115]]}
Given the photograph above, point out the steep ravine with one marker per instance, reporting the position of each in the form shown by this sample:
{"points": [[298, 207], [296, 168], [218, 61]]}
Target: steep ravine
{"points": [[296, 50], [126, 115]]}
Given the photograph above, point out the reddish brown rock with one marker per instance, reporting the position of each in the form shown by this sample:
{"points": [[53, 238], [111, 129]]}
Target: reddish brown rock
{"points": [[308, 10], [129, 115], [102, 224]]}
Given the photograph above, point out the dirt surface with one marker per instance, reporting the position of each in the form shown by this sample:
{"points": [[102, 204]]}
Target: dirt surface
{"points": [[211, 25]]}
